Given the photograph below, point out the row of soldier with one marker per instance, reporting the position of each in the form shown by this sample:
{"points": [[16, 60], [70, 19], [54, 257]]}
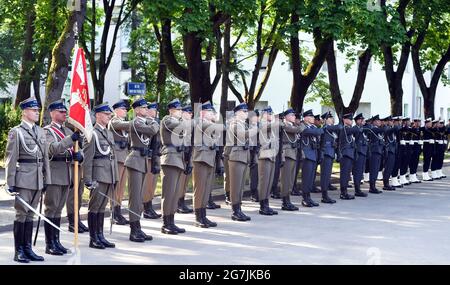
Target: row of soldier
{"points": [[135, 152]]}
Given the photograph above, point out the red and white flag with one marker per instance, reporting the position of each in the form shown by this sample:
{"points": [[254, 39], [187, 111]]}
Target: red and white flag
{"points": [[79, 111]]}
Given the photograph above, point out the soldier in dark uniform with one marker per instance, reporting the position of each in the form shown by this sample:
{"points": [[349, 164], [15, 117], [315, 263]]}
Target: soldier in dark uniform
{"points": [[428, 148], [376, 146], [27, 173], [318, 124], [405, 150], [310, 139], [390, 139], [367, 124], [416, 149], [395, 170], [361, 153], [435, 156], [328, 142], [60, 141], [254, 153], [347, 153], [442, 147]]}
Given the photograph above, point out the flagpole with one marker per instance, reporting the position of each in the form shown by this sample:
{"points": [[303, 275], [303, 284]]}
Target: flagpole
{"points": [[75, 170]]}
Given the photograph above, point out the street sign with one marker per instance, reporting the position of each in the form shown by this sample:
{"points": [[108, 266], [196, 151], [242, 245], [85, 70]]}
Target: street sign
{"points": [[135, 88]]}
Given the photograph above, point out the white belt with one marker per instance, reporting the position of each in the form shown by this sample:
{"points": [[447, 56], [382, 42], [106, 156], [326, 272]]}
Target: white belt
{"points": [[445, 141], [403, 142], [421, 142], [429, 141], [440, 141], [413, 142]]}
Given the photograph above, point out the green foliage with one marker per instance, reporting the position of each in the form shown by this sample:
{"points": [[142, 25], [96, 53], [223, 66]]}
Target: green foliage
{"points": [[9, 117], [320, 91]]}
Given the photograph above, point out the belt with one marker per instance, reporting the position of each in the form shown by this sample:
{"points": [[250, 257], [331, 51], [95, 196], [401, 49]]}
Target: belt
{"points": [[65, 159], [110, 157], [431, 141], [29, 160]]}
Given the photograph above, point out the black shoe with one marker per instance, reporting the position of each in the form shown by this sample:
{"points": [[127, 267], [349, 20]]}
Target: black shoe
{"points": [[360, 194], [327, 200], [243, 214], [237, 215], [375, 191], [94, 242], [167, 227], [135, 234], [307, 203], [149, 212], [27, 249], [263, 209], [312, 201], [296, 193], [118, 218], [211, 205], [270, 209], [316, 190], [71, 219], [211, 224], [57, 221], [389, 188], [287, 205], [50, 246], [82, 226], [345, 196], [101, 237], [182, 208], [179, 230], [145, 236], [19, 232], [199, 220], [254, 197], [332, 188]]}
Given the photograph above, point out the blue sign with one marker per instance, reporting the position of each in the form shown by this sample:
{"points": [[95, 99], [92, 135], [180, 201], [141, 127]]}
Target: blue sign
{"points": [[135, 88]]}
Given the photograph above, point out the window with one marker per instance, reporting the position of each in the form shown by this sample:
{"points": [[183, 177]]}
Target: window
{"points": [[125, 65], [405, 110]]}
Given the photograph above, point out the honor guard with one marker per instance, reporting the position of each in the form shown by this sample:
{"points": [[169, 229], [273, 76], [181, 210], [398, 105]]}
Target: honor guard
{"points": [[100, 174], [390, 149], [136, 163], [404, 150], [254, 153], [60, 140], [440, 147], [376, 146], [154, 165], [361, 153], [310, 140], [416, 150], [395, 182], [27, 174], [268, 150], [120, 127], [428, 148], [186, 114]]}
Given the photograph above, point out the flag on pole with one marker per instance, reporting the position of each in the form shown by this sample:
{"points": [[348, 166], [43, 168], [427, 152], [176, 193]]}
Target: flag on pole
{"points": [[79, 111]]}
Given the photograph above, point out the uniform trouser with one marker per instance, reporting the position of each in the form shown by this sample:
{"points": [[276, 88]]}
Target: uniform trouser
{"points": [[170, 177], [298, 166], [184, 180], [382, 162], [266, 168], [427, 154], [315, 175], [396, 167], [388, 167], [346, 167], [23, 214], [237, 180], [120, 186], [308, 169], [436, 157], [226, 168], [325, 172], [375, 160], [55, 199], [202, 179], [405, 155], [367, 162], [70, 197], [150, 182], [414, 161], [442, 155], [287, 176], [358, 169], [276, 174], [135, 192], [98, 202], [254, 176]]}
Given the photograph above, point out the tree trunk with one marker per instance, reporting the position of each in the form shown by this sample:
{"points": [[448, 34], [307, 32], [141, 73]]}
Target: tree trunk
{"points": [[225, 69], [161, 76], [61, 56], [396, 95], [428, 103]]}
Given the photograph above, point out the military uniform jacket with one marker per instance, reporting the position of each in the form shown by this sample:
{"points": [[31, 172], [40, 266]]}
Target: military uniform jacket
{"points": [[155, 145], [347, 144], [120, 128], [27, 164], [361, 142], [140, 132], [206, 141], [310, 138], [390, 138], [173, 131], [100, 163], [268, 140], [238, 133], [376, 139], [289, 138], [405, 136], [329, 140], [60, 152]]}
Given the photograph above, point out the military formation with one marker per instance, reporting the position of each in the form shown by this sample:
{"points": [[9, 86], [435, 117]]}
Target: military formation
{"points": [[132, 154]]}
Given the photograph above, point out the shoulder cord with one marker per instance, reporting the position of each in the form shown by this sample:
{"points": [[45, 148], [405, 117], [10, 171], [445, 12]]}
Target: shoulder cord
{"points": [[55, 136], [140, 137], [97, 144], [346, 137], [289, 139], [182, 133], [269, 137], [123, 135], [24, 145], [231, 129]]}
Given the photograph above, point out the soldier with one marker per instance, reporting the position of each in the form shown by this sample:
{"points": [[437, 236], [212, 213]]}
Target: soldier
{"points": [[441, 135], [120, 127], [153, 165], [318, 124], [237, 137], [100, 174], [376, 140], [298, 165], [347, 154], [390, 149], [187, 173], [328, 151], [141, 132], [27, 174], [435, 156], [404, 150], [254, 153], [206, 141], [310, 139], [362, 151], [60, 141], [395, 171], [172, 132], [428, 148], [268, 139], [368, 123], [416, 149]]}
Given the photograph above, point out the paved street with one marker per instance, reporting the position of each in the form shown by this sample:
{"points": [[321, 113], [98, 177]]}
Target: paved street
{"points": [[408, 226]]}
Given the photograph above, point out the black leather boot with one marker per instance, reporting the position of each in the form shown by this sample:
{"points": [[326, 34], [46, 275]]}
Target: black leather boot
{"points": [[149, 213], [211, 224], [119, 219], [345, 196], [312, 201], [243, 214], [142, 234], [81, 225], [211, 205], [182, 208], [50, 246], [199, 220], [270, 209], [326, 199], [94, 242], [387, 187], [287, 205], [101, 237], [135, 233], [237, 214], [264, 209], [57, 221], [27, 249], [358, 191], [71, 219], [167, 227], [172, 220], [19, 232], [373, 188]]}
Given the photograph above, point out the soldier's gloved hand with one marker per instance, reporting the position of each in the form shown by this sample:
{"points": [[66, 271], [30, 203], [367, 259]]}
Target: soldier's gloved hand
{"points": [[11, 190], [91, 185], [77, 156], [188, 170], [155, 169], [75, 136]]}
